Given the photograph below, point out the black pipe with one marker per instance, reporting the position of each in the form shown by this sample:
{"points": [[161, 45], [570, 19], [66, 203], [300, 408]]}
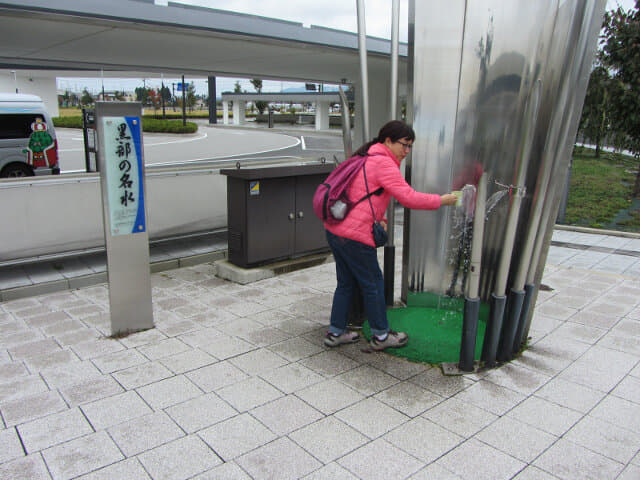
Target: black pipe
{"points": [[518, 341], [492, 333], [389, 273], [469, 333], [514, 307]]}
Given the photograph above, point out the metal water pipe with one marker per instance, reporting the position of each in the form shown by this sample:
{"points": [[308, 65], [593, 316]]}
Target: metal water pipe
{"points": [[364, 76], [390, 248]]}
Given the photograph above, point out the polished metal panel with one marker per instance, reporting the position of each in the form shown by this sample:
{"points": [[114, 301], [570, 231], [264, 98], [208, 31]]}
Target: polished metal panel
{"points": [[474, 67]]}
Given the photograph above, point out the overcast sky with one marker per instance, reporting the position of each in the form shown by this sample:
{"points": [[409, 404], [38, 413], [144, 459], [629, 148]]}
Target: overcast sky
{"points": [[339, 14]]}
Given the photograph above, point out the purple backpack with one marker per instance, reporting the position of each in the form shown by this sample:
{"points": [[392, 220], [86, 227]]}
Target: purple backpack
{"points": [[331, 203]]}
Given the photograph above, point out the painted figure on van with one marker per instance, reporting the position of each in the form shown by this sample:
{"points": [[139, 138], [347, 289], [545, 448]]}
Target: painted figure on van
{"points": [[40, 144]]}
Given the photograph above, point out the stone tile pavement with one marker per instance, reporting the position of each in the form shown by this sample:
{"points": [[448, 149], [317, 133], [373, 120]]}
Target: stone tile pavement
{"points": [[235, 383]]}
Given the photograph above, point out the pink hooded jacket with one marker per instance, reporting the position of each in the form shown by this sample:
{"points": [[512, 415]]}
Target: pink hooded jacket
{"points": [[383, 170]]}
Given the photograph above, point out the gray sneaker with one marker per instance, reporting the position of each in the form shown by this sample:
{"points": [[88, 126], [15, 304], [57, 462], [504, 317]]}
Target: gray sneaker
{"points": [[347, 337], [393, 340]]}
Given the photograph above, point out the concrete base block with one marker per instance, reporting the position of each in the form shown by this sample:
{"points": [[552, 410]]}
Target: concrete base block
{"points": [[228, 271], [454, 369], [33, 290]]}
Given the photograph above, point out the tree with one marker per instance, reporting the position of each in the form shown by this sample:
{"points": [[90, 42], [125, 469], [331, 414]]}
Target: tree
{"points": [[142, 95], [261, 105], [237, 88], [87, 98], [190, 96], [595, 123], [620, 54]]}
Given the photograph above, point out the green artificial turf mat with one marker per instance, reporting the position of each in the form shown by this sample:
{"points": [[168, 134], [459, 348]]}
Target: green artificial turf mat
{"points": [[434, 334]]}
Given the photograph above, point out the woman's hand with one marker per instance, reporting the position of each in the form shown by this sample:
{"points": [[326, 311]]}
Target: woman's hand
{"points": [[448, 199]]}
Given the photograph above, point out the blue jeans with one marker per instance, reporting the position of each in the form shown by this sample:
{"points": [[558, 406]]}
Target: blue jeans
{"points": [[357, 264]]}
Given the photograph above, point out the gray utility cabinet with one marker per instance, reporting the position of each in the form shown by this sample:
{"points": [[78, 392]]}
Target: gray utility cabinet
{"points": [[270, 213]]}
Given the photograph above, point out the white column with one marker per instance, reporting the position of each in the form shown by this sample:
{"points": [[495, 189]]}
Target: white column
{"points": [[225, 112], [322, 115], [238, 112]]}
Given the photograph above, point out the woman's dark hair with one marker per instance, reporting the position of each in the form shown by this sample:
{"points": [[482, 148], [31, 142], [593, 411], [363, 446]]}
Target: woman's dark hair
{"points": [[395, 130]]}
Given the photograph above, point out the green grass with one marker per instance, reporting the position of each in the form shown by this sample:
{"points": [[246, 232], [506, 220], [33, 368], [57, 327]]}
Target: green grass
{"points": [[600, 194]]}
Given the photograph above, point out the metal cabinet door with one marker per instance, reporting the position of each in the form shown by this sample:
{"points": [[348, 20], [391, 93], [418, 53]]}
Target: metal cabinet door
{"points": [[270, 219], [309, 231]]}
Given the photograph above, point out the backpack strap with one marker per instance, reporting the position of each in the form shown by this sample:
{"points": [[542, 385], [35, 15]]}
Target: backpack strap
{"points": [[368, 195]]}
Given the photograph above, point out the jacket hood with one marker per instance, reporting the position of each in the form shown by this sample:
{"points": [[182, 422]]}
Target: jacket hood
{"points": [[381, 149]]}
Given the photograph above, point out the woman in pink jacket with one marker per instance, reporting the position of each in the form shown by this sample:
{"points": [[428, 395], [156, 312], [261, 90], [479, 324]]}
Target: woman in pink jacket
{"points": [[352, 243]]}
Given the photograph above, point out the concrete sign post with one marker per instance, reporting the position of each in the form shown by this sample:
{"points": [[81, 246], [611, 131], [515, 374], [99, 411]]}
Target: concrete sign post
{"points": [[121, 160]]}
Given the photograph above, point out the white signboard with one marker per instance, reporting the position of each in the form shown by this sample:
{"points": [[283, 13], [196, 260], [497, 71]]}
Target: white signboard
{"points": [[123, 170]]}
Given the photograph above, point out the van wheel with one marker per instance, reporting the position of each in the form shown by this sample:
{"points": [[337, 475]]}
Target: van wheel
{"points": [[14, 170]]}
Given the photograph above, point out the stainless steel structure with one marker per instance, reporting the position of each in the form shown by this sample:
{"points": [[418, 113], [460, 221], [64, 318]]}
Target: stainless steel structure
{"points": [[474, 68], [127, 250]]}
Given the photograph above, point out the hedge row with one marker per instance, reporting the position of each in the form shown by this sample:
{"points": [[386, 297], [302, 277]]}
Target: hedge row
{"points": [[148, 124]]}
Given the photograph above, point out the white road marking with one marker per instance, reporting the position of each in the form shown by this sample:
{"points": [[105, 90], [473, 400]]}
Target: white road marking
{"points": [[304, 145]]}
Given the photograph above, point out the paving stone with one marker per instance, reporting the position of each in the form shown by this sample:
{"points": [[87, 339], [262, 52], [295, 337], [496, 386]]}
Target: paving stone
{"points": [[226, 471], [629, 389], [226, 347], [10, 446], [517, 439], [236, 436], [291, 378], [31, 467], [545, 415], [534, 473], [97, 348], [189, 360], [620, 412], [34, 348], [258, 361], [478, 461], [328, 439], [201, 412], [567, 460], [445, 386], [408, 398], [605, 438], [91, 390], [12, 371], [491, 397], [371, 417], [570, 395], [216, 376], [367, 380], [53, 429], [600, 368], [144, 433], [460, 417], [332, 471], [281, 459], [390, 462], [423, 439], [434, 471], [72, 373], [632, 472], [55, 359], [329, 396], [170, 391], [141, 375], [97, 450], [249, 394], [329, 363], [119, 360], [517, 379], [286, 414], [295, 349], [164, 348], [27, 408], [129, 469], [114, 410]]}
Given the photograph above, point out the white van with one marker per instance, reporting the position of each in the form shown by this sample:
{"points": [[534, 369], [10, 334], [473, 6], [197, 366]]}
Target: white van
{"points": [[28, 144]]}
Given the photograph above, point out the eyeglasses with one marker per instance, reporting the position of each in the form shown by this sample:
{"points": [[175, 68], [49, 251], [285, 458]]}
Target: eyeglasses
{"points": [[406, 146]]}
